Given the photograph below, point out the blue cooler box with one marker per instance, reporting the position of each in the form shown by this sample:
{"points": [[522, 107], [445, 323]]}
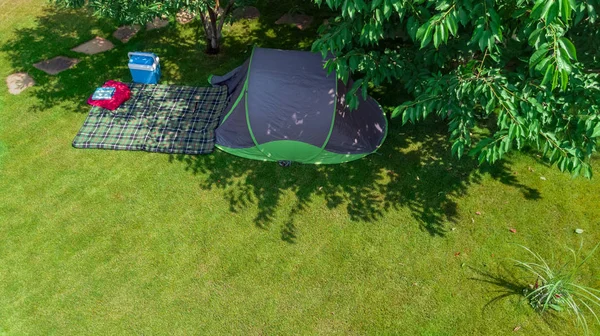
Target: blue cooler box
{"points": [[144, 67]]}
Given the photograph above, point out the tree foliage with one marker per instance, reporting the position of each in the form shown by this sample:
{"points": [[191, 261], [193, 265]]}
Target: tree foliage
{"points": [[511, 62], [212, 13]]}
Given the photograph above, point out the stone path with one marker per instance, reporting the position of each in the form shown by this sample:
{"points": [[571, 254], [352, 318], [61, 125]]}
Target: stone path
{"points": [[248, 12], [18, 82], [125, 33], [94, 46], [301, 21], [185, 17], [56, 65], [157, 23]]}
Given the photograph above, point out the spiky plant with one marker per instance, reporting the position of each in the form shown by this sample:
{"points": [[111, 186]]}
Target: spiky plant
{"points": [[556, 288]]}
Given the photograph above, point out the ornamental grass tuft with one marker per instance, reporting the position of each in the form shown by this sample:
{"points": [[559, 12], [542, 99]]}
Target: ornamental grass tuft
{"points": [[556, 288]]}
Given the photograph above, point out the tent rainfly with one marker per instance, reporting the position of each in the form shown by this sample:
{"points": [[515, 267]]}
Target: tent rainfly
{"points": [[283, 106]]}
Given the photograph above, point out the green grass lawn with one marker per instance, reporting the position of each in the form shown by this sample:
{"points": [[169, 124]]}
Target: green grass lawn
{"points": [[407, 241]]}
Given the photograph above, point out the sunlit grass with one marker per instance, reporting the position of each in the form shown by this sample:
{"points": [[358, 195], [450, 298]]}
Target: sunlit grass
{"points": [[407, 241]]}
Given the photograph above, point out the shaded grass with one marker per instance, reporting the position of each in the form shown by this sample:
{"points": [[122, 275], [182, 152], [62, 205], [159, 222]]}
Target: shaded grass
{"points": [[106, 242]]}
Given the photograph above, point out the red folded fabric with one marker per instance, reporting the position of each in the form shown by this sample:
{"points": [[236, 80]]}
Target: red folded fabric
{"points": [[121, 95]]}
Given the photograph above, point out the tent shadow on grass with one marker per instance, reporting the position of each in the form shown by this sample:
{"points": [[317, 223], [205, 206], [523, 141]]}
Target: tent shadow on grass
{"points": [[413, 169]]}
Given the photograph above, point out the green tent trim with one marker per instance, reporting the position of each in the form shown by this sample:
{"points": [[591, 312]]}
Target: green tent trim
{"points": [[323, 156]]}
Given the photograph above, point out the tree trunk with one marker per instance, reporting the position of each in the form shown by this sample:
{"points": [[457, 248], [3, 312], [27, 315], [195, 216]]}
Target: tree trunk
{"points": [[212, 24], [213, 46]]}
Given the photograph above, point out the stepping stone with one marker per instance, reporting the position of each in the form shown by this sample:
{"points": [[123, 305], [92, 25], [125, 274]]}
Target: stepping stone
{"points": [[125, 33], [56, 65], [18, 82], [185, 17], [94, 46], [301, 21], [248, 12], [157, 23]]}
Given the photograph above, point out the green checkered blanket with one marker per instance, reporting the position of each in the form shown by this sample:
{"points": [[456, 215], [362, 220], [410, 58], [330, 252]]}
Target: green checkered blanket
{"points": [[157, 118]]}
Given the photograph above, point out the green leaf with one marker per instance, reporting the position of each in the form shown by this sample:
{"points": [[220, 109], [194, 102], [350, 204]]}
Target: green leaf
{"points": [[540, 9], [359, 5], [375, 4], [422, 30], [565, 10], [387, 9], [345, 8], [463, 17], [452, 25], [442, 6], [555, 79], [412, 25], [548, 75], [541, 67], [552, 12], [536, 11], [564, 80], [427, 37], [444, 32], [587, 171], [437, 36], [353, 61], [563, 62], [537, 56], [596, 132], [534, 37], [458, 147], [351, 11], [567, 46], [397, 111], [405, 116], [483, 40]]}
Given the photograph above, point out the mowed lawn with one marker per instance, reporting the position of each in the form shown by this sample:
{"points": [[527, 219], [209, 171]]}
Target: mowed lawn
{"points": [[407, 241]]}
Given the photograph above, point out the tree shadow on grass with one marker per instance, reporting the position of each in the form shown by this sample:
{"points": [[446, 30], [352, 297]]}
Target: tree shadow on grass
{"points": [[180, 47], [413, 169], [57, 31]]}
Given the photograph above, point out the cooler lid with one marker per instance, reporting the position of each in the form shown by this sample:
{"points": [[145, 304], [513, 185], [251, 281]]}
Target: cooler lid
{"points": [[141, 60]]}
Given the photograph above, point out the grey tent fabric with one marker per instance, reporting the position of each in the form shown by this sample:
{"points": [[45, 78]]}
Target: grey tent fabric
{"points": [[355, 131], [233, 131], [282, 105], [296, 98], [234, 78]]}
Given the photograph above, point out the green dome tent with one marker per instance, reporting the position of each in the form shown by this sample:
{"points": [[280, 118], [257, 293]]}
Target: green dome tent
{"points": [[284, 107]]}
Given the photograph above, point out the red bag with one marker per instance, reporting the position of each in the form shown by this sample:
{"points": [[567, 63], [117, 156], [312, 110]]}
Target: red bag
{"points": [[121, 95]]}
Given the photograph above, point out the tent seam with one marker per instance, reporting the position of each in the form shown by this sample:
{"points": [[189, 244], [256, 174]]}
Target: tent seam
{"points": [[332, 122], [246, 105], [235, 104], [386, 125]]}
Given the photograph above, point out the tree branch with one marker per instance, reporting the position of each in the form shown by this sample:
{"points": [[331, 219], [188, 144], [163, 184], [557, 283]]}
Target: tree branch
{"points": [[224, 15], [204, 25], [213, 21]]}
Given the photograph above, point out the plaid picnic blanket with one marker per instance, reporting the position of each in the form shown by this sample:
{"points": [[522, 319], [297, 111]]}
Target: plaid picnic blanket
{"points": [[157, 118]]}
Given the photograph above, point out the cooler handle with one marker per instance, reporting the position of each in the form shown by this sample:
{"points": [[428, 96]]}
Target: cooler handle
{"points": [[147, 54]]}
